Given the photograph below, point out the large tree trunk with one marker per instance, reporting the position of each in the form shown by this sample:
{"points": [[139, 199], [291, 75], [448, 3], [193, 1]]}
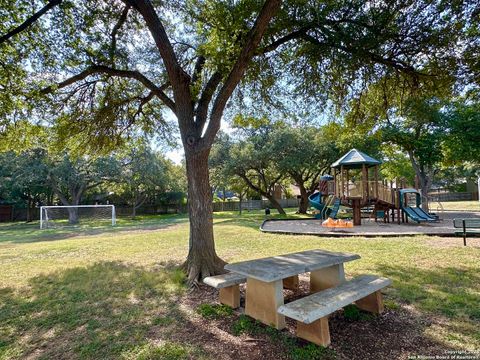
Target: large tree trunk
{"points": [[276, 204], [73, 212], [425, 178], [72, 216], [425, 186], [29, 208], [202, 260], [304, 203]]}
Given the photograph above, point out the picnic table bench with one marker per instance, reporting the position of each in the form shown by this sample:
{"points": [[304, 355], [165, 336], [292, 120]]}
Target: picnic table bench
{"points": [[312, 312], [469, 226], [228, 284]]}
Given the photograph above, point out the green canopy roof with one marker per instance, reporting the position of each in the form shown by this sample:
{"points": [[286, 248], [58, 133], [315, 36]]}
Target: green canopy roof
{"points": [[354, 159]]}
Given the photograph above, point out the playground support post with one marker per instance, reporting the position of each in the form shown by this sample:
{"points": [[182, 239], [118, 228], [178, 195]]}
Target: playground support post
{"points": [[343, 182], [478, 184], [357, 213]]}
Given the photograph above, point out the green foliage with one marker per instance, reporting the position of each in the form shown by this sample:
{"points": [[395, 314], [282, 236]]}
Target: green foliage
{"points": [[303, 152], [322, 55], [463, 141], [246, 163], [23, 178], [396, 165], [143, 174], [70, 177], [216, 311]]}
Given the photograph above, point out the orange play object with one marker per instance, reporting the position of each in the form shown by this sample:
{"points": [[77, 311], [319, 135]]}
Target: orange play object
{"points": [[337, 223]]}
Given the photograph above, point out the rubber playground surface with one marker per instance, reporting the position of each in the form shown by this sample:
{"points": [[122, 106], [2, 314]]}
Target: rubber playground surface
{"points": [[369, 227]]}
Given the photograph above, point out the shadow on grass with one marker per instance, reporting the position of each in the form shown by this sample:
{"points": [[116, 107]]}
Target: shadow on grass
{"points": [[30, 232], [102, 311], [451, 292]]}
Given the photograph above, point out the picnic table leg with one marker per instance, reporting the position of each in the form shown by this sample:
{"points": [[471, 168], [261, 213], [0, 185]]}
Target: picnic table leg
{"points": [[291, 283], [326, 278], [372, 303], [262, 301], [230, 296], [316, 332]]}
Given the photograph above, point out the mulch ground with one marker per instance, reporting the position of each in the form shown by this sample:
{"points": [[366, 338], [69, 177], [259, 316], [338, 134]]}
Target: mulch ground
{"points": [[396, 334]]}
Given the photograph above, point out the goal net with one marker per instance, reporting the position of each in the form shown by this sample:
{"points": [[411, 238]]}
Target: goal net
{"points": [[77, 215]]}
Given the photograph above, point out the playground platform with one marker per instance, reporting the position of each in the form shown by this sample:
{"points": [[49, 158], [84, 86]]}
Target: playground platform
{"points": [[369, 228]]}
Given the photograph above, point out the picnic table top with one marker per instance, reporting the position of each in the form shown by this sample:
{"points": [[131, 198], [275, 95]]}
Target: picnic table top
{"points": [[280, 267]]}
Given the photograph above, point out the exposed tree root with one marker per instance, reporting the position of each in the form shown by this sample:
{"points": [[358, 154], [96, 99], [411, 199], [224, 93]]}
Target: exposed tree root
{"points": [[199, 268]]}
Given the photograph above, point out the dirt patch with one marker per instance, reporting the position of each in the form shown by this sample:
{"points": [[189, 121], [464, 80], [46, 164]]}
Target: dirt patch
{"points": [[397, 334]]}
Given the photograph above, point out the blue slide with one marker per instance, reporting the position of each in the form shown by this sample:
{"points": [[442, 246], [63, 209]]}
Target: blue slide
{"points": [[334, 210], [416, 213], [420, 212], [316, 202]]}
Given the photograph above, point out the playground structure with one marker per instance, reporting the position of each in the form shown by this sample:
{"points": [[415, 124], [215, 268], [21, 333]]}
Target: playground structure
{"points": [[355, 184]]}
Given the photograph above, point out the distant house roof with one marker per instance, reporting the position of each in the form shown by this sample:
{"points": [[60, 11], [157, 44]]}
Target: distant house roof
{"points": [[355, 159]]}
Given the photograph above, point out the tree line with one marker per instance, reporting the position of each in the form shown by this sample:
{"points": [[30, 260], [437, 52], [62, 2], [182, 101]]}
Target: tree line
{"points": [[133, 177]]}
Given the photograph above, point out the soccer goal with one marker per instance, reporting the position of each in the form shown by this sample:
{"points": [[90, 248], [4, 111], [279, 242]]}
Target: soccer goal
{"points": [[77, 215]]}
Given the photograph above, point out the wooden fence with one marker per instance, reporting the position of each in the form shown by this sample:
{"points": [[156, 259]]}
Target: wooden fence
{"points": [[456, 196]]}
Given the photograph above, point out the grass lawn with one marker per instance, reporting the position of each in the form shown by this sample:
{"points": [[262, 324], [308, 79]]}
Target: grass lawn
{"points": [[117, 293], [460, 205]]}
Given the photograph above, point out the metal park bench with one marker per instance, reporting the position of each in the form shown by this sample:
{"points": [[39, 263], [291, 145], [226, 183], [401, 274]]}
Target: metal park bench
{"points": [[468, 226]]}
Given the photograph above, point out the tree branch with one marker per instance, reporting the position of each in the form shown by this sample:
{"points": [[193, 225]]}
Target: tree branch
{"points": [[143, 101], [275, 44], [177, 76], [51, 4], [198, 68], [101, 69], [251, 184], [207, 94], [116, 28], [254, 37]]}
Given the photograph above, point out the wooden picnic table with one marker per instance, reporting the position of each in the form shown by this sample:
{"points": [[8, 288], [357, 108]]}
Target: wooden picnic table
{"points": [[267, 277]]}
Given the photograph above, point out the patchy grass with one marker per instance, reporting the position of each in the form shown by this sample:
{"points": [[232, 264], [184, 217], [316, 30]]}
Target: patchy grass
{"points": [[114, 293], [168, 351], [459, 205], [215, 311]]}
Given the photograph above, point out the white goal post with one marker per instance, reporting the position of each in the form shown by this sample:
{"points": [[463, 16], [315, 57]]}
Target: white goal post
{"points": [[61, 215]]}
